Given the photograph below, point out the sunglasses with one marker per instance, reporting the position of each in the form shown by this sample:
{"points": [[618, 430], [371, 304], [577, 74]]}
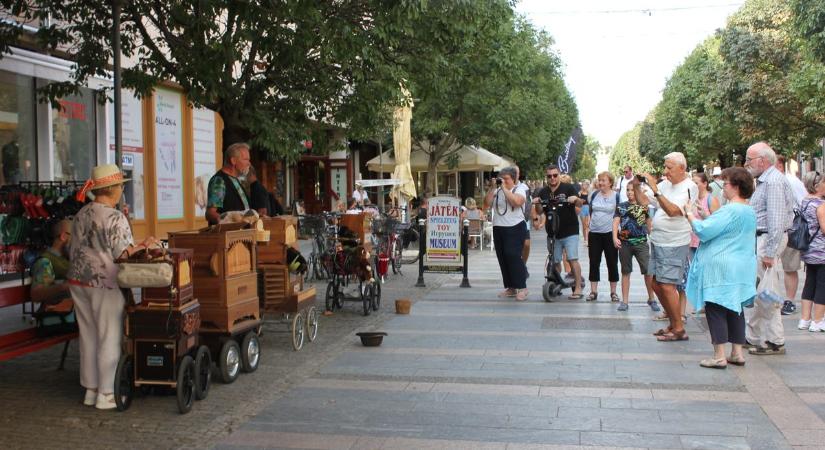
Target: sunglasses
{"points": [[552, 175]]}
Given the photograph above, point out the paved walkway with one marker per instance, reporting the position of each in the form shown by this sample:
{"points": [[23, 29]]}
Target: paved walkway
{"points": [[468, 370]]}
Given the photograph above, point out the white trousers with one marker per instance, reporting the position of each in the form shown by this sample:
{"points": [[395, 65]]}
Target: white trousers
{"points": [[764, 321], [100, 322]]}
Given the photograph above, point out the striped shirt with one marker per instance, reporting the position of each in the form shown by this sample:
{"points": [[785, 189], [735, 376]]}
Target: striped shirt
{"points": [[773, 202]]}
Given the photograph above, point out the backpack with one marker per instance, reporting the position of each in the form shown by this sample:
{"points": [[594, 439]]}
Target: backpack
{"points": [[593, 195], [799, 236]]}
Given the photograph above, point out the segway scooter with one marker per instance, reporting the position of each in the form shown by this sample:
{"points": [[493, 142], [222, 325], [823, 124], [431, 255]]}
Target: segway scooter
{"points": [[554, 282]]}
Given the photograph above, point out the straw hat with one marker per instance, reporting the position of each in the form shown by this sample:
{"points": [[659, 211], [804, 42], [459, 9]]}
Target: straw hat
{"points": [[102, 176]]}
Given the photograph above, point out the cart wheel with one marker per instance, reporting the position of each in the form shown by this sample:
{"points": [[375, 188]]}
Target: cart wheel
{"points": [[297, 331], [203, 372], [330, 297], [250, 352], [186, 384], [230, 361], [396, 254], [312, 324], [339, 295], [124, 383], [366, 297], [547, 291], [376, 297]]}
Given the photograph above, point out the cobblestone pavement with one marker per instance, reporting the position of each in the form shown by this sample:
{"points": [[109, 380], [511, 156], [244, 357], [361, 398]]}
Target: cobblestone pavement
{"points": [[464, 370]]}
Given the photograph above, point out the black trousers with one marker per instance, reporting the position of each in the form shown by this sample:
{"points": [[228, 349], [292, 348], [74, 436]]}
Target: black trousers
{"points": [[725, 325], [598, 243], [509, 241]]}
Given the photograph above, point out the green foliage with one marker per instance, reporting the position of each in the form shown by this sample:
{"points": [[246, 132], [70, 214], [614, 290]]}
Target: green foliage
{"points": [[626, 152], [809, 24], [586, 159]]}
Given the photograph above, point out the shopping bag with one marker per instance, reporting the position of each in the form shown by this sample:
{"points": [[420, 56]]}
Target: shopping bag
{"points": [[768, 290]]}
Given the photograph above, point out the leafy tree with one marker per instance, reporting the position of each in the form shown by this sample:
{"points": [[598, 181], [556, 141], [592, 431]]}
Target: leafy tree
{"points": [[626, 153], [809, 23], [586, 159]]}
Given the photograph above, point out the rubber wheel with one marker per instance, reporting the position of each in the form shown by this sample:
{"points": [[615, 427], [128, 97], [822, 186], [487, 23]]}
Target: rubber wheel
{"points": [[557, 290], [547, 291], [298, 331], [124, 383], [339, 296], [329, 299], [366, 298], [395, 257], [250, 352], [203, 372], [376, 297], [229, 361], [186, 384], [312, 324]]}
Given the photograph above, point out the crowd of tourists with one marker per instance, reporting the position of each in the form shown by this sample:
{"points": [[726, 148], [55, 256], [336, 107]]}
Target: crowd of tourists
{"points": [[701, 240]]}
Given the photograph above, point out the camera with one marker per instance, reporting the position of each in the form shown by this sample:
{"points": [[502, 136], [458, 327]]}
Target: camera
{"points": [[498, 182], [641, 178]]}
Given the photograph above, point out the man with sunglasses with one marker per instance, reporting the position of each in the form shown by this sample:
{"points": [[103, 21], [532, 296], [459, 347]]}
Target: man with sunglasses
{"points": [[567, 197]]}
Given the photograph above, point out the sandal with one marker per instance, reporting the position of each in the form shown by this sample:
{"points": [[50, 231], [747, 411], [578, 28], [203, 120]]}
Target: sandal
{"points": [[575, 297], [661, 318], [673, 336], [522, 295], [711, 363], [736, 361], [614, 298], [507, 293], [662, 331], [592, 297]]}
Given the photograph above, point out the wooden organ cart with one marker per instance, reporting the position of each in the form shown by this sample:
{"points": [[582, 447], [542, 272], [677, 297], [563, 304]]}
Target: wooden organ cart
{"points": [[281, 291], [343, 270], [226, 285], [162, 343]]}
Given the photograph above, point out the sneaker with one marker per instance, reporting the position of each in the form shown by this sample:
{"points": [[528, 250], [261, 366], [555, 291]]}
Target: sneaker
{"points": [[521, 295], [788, 308], [622, 307], [90, 398], [614, 298], [105, 401], [804, 324], [653, 305], [817, 327]]}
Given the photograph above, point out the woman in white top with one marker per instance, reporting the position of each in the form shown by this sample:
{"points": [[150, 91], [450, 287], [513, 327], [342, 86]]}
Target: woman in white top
{"points": [[600, 237], [509, 231]]}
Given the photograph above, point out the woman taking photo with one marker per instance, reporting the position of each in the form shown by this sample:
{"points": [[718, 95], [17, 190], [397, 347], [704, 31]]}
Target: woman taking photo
{"points": [[600, 238], [101, 234], [509, 231], [721, 276], [813, 294]]}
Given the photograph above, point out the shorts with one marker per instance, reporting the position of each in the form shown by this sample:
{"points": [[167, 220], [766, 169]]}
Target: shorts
{"points": [[585, 211], [668, 264], [642, 253], [790, 259], [814, 289], [569, 243]]}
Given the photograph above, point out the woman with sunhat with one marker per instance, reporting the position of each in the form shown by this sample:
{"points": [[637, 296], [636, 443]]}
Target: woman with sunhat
{"points": [[101, 234]]}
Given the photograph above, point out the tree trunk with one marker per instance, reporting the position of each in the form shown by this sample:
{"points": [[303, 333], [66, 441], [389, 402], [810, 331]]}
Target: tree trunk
{"points": [[432, 172], [234, 132]]}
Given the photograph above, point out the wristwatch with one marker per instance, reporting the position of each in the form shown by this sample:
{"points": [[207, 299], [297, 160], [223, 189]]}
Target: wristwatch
{"points": [[656, 194]]}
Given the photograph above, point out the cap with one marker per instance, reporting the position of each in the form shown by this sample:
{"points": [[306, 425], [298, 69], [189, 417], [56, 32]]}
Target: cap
{"points": [[716, 171]]}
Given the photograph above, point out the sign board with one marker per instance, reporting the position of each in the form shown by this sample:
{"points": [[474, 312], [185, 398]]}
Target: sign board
{"points": [[131, 123], [169, 153], [203, 135], [443, 233]]}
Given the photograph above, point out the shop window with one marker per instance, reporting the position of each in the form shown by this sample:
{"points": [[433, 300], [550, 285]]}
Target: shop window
{"points": [[17, 129], [73, 128]]}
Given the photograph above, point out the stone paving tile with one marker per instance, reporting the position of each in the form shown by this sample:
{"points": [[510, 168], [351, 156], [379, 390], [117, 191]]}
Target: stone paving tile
{"points": [[646, 440]]}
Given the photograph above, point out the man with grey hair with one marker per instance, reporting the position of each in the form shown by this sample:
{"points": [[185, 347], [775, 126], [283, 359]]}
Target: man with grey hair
{"points": [[670, 240], [225, 192], [773, 202]]}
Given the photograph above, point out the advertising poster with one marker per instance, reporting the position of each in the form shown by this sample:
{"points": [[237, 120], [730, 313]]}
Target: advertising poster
{"points": [[203, 124], [444, 232], [338, 175], [169, 154], [131, 117]]}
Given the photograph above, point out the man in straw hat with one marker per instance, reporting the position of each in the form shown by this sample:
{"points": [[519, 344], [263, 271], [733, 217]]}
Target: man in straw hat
{"points": [[225, 192], [100, 235]]}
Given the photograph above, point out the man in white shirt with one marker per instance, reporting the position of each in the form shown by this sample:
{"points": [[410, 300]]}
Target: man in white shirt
{"points": [[791, 257], [670, 240], [622, 182], [716, 186], [359, 194]]}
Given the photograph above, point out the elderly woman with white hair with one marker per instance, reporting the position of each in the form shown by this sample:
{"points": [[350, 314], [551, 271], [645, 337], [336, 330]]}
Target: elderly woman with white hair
{"points": [[670, 240], [509, 231]]}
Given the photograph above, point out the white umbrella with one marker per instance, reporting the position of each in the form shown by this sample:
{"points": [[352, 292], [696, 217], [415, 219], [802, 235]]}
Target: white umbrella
{"points": [[402, 142]]}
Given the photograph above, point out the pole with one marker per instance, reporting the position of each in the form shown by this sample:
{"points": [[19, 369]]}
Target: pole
{"points": [[380, 191], [465, 282], [421, 250], [116, 5]]}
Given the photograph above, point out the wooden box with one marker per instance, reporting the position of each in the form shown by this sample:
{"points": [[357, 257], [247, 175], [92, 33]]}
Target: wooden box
{"points": [[222, 251], [177, 324], [181, 280], [281, 291], [227, 319], [283, 233], [218, 292], [357, 223]]}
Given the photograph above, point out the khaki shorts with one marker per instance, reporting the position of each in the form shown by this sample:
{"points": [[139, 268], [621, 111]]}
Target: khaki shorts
{"points": [[790, 260]]}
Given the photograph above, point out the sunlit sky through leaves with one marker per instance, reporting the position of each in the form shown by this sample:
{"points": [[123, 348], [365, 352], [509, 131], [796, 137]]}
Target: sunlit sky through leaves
{"points": [[618, 54]]}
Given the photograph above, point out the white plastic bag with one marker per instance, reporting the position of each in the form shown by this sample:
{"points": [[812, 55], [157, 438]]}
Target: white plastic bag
{"points": [[768, 290]]}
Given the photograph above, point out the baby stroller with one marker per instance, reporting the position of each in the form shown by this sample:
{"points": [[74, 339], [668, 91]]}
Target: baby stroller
{"points": [[554, 281]]}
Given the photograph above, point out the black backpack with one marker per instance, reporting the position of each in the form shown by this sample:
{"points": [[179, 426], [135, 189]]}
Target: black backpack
{"points": [[799, 236]]}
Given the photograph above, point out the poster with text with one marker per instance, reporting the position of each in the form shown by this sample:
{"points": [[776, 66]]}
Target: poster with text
{"points": [[131, 117], [203, 131], [338, 175], [444, 232], [169, 154]]}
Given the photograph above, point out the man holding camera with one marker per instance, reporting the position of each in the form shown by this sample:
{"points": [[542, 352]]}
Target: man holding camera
{"points": [[564, 198]]}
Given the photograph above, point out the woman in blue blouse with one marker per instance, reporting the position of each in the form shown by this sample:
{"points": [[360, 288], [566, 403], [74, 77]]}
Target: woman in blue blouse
{"points": [[721, 277]]}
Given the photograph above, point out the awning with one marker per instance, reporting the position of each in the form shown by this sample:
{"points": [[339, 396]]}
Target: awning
{"points": [[470, 158]]}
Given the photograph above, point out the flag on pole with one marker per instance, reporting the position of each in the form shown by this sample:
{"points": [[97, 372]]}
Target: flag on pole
{"points": [[567, 159]]}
